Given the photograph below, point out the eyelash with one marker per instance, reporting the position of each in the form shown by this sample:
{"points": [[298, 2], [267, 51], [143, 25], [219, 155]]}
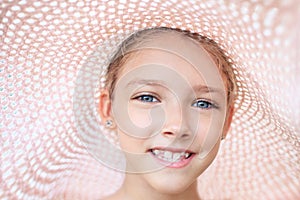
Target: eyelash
{"points": [[153, 99], [142, 98], [209, 105]]}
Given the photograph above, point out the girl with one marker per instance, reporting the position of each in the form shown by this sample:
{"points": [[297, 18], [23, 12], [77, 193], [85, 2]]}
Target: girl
{"points": [[169, 96]]}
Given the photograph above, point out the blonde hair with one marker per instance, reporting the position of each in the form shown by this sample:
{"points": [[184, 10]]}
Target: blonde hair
{"points": [[137, 39]]}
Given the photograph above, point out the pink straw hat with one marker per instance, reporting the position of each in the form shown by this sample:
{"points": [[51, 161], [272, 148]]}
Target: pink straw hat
{"points": [[54, 53]]}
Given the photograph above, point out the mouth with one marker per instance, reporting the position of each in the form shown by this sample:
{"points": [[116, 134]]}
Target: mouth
{"points": [[173, 158]]}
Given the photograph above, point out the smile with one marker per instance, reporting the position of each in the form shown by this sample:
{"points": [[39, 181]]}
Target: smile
{"points": [[171, 158]]}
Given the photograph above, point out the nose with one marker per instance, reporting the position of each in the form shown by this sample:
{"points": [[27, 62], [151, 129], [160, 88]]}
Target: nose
{"points": [[176, 124]]}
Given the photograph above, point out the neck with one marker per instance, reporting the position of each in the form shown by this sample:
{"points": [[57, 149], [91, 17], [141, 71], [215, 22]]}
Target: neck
{"points": [[136, 188]]}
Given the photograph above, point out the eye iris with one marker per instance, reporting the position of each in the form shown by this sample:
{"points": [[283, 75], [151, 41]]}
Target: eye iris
{"points": [[203, 104], [147, 98]]}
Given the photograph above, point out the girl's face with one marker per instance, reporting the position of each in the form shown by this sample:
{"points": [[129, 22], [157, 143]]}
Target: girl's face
{"points": [[169, 108]]}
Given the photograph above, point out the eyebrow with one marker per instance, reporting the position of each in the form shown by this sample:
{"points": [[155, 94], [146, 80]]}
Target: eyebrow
{"points": [[196, 88], [147, 82], [208, 89]]}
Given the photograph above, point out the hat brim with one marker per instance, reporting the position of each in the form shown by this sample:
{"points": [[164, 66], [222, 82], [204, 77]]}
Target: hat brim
{"points": [[45, 44]]}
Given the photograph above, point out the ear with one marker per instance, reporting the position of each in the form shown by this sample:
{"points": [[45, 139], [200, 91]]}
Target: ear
{"points": [[105, 107], [228, 121]]}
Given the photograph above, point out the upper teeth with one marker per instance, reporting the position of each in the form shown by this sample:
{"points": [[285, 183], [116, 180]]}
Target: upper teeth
{"points": [[170, 156]]}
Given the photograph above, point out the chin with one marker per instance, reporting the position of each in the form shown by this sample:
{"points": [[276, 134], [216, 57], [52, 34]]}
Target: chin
{"points": [[171, 183], [170, 187]]}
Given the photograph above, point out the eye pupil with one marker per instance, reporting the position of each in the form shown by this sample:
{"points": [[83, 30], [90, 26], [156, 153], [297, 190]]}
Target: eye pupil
{"points": [[147, 98], [202, 104]]}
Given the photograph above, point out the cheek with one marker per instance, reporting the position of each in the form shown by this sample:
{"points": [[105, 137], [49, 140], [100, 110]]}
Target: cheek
{"points": [[138, 121], [208, 132], [139, 117], [130, 144]]}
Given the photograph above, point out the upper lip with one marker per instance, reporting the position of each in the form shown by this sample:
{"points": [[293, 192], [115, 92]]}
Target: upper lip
{"points": [[172, 149]]}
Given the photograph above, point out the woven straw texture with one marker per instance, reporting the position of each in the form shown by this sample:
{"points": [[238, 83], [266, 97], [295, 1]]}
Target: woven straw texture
{"points": [[46, 45]]}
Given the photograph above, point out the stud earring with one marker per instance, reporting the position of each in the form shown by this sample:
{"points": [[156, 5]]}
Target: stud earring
{"points": [[108, 123]]}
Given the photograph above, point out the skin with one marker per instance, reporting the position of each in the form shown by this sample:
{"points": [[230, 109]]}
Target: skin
{"points": [[162, 99]]}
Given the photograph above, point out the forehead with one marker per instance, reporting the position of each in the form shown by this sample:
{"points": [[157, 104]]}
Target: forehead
{"points": [[173, 52]]}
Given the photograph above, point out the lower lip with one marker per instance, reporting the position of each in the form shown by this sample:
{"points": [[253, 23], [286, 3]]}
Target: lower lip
{"points": [[180, 164]]}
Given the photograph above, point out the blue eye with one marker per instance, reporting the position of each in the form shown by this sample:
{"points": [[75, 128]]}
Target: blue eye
{"points": [[147, 98], [203, 104]]}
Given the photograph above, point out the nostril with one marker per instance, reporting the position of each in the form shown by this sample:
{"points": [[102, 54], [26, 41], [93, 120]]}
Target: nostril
{"points": [[177, 135], [168, 133], [185, 135]]}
